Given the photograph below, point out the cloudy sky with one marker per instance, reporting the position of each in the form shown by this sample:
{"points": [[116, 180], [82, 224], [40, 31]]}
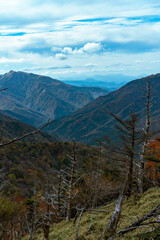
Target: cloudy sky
{"points": [[80, 38]]}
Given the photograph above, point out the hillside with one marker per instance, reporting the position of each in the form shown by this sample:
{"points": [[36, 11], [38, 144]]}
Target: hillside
{"points": [[11, 128], [25, 162], [90, 229], [94, 120], [34, 99]]}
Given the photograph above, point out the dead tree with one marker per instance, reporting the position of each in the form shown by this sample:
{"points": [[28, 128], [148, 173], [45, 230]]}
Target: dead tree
{"points": [[70, 181], [141, 221], [53, 202], [70, 178], [111, 227], [148, 106], [128, 150], [47, 212], [59, 196], [32, 216], [130, 139], [77, 228], [80, 213]]}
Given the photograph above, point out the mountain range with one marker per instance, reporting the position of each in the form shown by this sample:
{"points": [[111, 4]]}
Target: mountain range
{"points": [[110, 82], [90, 82], [33, 99], [94, 120]]}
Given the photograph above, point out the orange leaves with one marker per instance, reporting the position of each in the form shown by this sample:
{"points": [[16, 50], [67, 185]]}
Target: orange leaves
{"points": [[153, 148], [152, 164]]}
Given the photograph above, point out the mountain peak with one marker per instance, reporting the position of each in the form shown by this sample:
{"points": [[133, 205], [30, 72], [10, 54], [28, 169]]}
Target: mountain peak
{"points": [[34, 98]]}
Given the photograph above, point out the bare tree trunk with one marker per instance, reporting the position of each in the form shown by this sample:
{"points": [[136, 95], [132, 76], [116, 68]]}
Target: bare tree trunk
{"points": [[32, 217], [131, 138], [59, 196], [130, 178], [130, 173], [80, 216], [137, 223], [71, 182], [77, 229], [111, 227], [147, 129]]}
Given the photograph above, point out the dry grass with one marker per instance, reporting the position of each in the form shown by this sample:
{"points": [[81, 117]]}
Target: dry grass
{"points": [[90, 230]]}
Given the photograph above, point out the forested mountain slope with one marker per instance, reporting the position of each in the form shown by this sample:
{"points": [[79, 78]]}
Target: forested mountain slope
{"points": [[11, 128], [34, 99], [94, 120], [25, 162]]}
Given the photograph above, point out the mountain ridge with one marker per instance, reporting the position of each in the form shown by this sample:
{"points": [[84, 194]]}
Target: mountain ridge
{"points": [[110, 82], [94, 120], [35, 98], [11, 128]]}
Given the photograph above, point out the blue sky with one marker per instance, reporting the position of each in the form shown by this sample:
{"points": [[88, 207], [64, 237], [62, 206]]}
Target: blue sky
{"points": [[79, 39]]}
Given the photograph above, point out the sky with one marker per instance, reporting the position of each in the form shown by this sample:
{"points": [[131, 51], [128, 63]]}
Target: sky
{"points": [[80, 39]]}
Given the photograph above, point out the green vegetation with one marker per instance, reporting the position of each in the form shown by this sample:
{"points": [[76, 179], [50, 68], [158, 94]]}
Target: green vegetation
{"points": [[11, 128], [90, 229], [63, 190], [24, 162]]}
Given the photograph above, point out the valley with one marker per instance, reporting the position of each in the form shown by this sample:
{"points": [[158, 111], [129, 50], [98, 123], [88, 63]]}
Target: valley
{"points": [[94, 120], [79, 120], [33, 99]]}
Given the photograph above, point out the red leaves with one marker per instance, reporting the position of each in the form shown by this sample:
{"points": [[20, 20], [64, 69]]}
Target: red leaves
{"points": [[153, 160]]}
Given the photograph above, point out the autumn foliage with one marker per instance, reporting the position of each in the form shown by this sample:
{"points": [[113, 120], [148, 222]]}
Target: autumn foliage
{"points": [[152, 164]]}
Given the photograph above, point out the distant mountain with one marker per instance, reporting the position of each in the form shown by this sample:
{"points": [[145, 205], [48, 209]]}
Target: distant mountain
{"points": [[11, 128], [109, 82], [33, 98], [109, 86], [118, 78], [94, 120]]}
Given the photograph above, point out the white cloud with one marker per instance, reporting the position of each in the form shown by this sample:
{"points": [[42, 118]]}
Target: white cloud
{"points": [[11, 60], [52, 33], [92, 47], [87, 48], [61, 56], [67, 50]]}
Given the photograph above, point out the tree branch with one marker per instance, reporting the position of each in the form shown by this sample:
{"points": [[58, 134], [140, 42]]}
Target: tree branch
{"points": [[26, 135]]}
